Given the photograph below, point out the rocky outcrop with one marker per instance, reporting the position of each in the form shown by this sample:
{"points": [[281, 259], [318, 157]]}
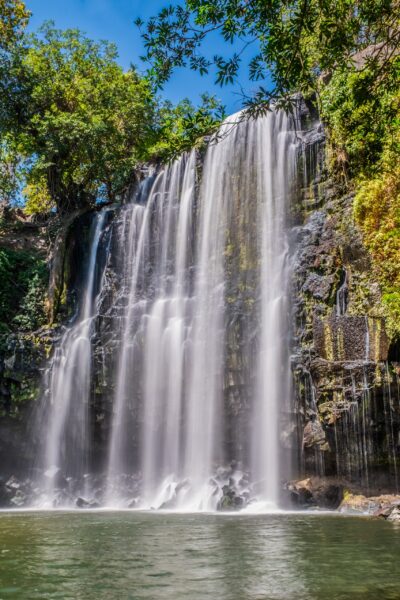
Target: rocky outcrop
{"points": [[22, 362], [24, 354], [346, 383], [385, 506], [315, 492]]}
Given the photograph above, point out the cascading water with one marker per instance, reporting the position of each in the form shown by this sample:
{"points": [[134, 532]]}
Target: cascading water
{"points": [[199, 313], [275, 155], [67, 445], [155, 327]]}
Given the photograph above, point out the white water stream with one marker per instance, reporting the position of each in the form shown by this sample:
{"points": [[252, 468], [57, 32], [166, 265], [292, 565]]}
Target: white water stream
{"points": [[193, 250]]}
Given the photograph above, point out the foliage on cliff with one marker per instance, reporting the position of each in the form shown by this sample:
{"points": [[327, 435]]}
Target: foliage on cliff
{"points": [[24, 278], [362, 112], [361, 109]]}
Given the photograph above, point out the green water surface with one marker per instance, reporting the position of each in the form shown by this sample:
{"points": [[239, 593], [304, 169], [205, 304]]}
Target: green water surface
{"points": [[131, 555]]}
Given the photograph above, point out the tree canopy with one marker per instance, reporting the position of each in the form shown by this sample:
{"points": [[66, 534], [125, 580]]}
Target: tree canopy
{"points": [[14, 18], [79, 122], [74, 125], [294, 40]]}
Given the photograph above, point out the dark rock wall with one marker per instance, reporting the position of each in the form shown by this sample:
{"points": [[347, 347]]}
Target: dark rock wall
{"points": [[347, 400], [22, 362]]}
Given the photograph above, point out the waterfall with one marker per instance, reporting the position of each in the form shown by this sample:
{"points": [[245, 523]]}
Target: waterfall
{"points": [[66, 447], [155, 325], [275, 158], [196, 356]]}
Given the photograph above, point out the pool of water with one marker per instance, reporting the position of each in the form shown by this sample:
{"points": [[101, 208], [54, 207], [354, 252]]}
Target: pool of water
{"points": [[131, 555]]}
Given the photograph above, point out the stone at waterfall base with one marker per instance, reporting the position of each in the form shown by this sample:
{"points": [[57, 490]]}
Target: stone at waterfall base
{"points": [[314, 492], [386, 506], [83, 503], [331, 494]]}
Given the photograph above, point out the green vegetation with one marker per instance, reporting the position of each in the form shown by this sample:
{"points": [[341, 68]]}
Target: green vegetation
{"points": [[24, 278], [294, 41], [74, 126], [362, 112], [181, 127], [14, 18], [86, 121], [377, 210]]}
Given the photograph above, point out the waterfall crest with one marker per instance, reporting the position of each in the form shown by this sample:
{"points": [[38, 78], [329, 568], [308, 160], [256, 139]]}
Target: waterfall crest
{"points": [[198, 369]]}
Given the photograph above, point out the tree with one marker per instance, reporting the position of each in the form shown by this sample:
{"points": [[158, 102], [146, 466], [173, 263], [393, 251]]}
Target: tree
{"points": [[179, 128], [13, 19], [295, 40], [74, 125], [79, 123]]}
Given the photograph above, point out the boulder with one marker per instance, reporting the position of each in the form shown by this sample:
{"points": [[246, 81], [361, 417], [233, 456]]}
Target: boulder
{"points": [[230, 499], [378, 506], [315, 492], [394, 515], [314, 435], [83, 503]]}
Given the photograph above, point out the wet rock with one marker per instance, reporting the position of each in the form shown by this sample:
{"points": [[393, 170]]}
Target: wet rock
{"points": [[230, 499], [350, 338], [300, 493], [394, 515], [15, 492], [315, 492], [168, 504], [20, 499], [328, 495], [383, 512], [318, 286], [358, 504], [379, 506], [83, 503], [182, 485], [4, 495], [13, 483], [389, 507], [314, 435]]}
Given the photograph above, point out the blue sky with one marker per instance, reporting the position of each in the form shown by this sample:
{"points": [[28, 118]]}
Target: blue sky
{"points": [[113, 20]]}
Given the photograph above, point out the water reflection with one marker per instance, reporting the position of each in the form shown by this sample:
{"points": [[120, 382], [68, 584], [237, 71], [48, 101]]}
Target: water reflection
{"points": [[96, 556]]}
